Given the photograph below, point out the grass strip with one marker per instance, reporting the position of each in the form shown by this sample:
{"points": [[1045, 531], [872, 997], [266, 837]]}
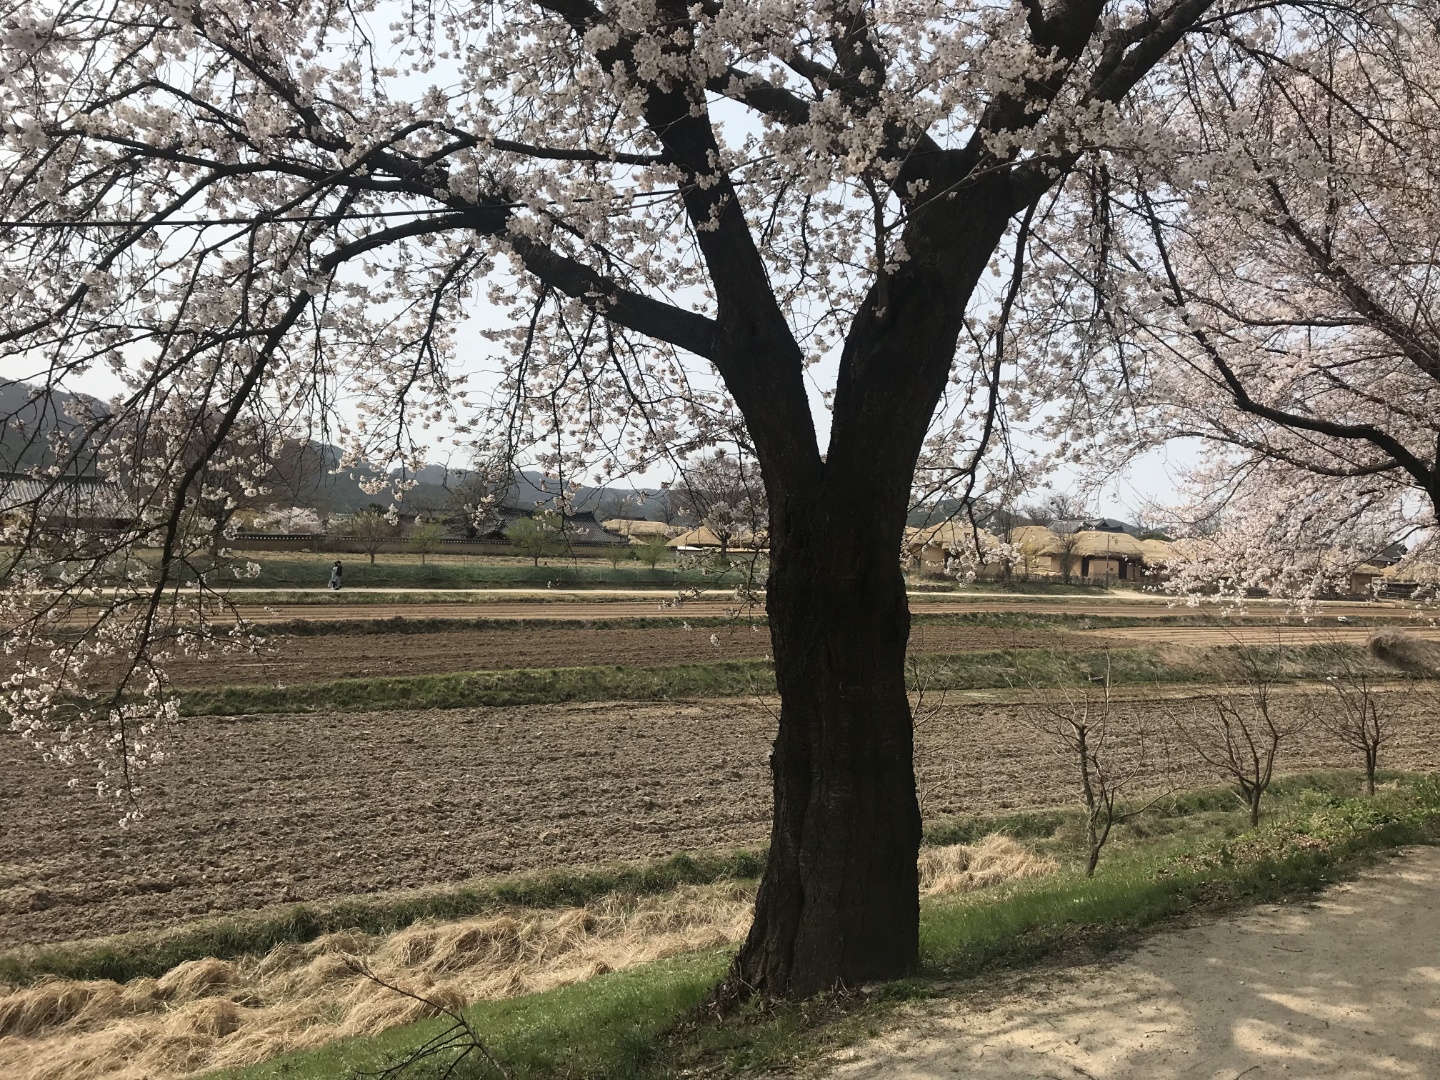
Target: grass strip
{"points": [[642, 1023], [1296, 854], [312, 570], [479, 623], [524, 686], [152, 954], [609, 1026], [990, 670], [1018, 620]]}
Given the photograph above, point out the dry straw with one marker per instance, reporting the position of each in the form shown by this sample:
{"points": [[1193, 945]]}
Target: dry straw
{"points": [[1406, 651], [208, 1014], [993, 860]]}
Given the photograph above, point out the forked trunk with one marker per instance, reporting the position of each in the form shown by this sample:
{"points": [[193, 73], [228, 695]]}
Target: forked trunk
{"points": [[839, 901]]}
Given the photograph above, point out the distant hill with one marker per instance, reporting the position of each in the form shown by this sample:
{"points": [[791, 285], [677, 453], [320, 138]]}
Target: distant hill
{"points": [[529, 490], [28, 419]]}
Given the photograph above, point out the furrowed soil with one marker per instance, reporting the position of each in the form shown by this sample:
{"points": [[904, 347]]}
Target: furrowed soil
{"points": [[248, 813], [321, 658]]}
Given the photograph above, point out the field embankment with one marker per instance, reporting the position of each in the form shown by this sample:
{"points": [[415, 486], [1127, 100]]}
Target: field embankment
{"points": [[203, 1011], [602, 990]]}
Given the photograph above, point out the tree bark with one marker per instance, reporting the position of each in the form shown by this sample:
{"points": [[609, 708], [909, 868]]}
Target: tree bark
{"points": [[838, 905]]}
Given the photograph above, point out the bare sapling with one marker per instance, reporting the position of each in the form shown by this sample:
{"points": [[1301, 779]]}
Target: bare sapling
{"points": [[1361, 721], [1241, 728], [1081, 725], [444, 1053], [927, 677]]}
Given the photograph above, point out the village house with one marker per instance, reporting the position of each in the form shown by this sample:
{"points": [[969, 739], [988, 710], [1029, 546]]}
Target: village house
{"points": [[639, 530], [89, 503], [934, 549], [703, 538], [1096, 552]]}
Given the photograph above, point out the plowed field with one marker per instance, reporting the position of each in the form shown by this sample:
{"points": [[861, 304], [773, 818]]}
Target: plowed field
{"points": [[324, 657], [343, 656], [253, 812]]}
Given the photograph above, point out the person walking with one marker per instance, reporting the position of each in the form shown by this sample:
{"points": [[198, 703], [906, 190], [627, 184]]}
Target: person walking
{"points": [[335, 575]]}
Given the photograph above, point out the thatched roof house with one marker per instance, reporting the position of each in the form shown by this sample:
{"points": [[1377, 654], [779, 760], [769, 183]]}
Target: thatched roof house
{"points": [[638, 530], [704, 537], [932, 548]]}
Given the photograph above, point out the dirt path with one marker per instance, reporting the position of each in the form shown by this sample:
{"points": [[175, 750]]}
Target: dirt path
{"points": [[1346, 987]]}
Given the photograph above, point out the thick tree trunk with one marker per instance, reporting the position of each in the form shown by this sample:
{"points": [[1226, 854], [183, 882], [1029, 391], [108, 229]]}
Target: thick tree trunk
{"points": [[839, 901]]}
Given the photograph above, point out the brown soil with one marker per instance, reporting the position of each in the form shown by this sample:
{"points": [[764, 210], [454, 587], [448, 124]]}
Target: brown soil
{"points": [[253, 812], [343, 656], [1288, 636]]}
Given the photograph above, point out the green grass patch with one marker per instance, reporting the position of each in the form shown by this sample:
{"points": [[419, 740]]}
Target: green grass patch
{"points": [[1039, 619], [643, 1023], [609, 1026], [525, 686], [400, 624], [989, 670], [1312, 836], [154, 953], [1006, 620], [306, 570]]}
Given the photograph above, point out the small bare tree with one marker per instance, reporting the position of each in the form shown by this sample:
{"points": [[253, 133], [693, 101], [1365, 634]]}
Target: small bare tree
{"points": [[651, 551], [446, 1051], [1065, 546], [1081, 725], [537, 537], [1362, 720], [425, 538], [666, 506], [1240, 730], [371, 528]]}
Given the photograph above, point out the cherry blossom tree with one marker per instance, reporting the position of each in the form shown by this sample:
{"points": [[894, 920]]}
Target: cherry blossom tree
{"points": [[673, 213], [726, 495], [1275, 292]]}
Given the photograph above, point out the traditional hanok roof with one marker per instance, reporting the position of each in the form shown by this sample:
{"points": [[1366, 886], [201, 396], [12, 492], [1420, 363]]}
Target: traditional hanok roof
{"points": [[582, 528], [69, 497], [579, 528]]}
